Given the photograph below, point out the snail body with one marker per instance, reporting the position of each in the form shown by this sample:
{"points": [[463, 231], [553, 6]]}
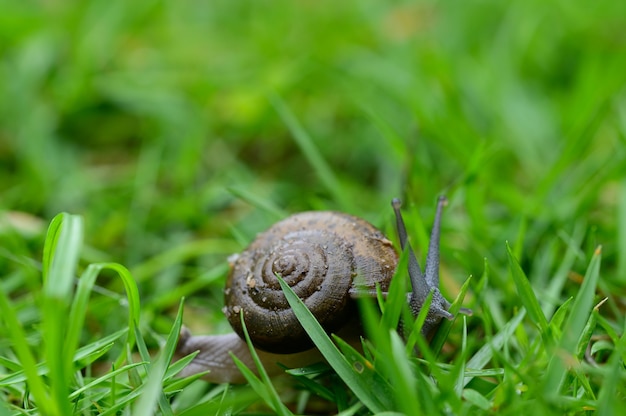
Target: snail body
{"points": [[328, 258]]}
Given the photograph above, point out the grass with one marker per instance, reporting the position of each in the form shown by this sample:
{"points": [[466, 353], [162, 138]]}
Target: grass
{"points": [[142, 143]]}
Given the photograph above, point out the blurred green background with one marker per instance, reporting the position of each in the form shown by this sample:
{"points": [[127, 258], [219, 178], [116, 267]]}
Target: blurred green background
{"points": [[179, 129]]}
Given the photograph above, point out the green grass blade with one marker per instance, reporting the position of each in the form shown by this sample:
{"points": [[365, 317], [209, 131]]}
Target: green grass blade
{"points": [[621, 234], [609, 403], [573, 252], [178, 365], [459, 382], [267, 391], [404, 382], [313, 155], [229, 400], [152, 392], [122, 402], [352, 410], [187, 288], [62, 252], [313, 386], [574, 328], [134, 307], [21, 348], [100, 380], [261, 202], [382, 344], [85, 356], [52, 238], [60, 258], [330, 351], [153, 387], [556, 323], [477, 399], [526, 293], [180, 253], [78, 309], [396, 295], [485, 353], [585, 338], [255, 382], [4, 409], [378, 385], [444, 328]]}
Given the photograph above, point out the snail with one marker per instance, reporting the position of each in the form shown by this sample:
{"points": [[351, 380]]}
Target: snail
{"points": [[328, 258]]}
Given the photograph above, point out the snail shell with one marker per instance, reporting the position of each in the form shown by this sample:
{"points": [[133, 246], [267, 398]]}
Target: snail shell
{"points": [[324, 257]]}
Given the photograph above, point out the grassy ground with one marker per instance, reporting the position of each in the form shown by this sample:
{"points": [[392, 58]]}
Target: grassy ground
{"points": [[173, 132]]}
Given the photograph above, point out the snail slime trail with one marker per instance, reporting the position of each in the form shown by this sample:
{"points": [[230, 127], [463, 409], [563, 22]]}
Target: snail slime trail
{"points": [[318, 254]]}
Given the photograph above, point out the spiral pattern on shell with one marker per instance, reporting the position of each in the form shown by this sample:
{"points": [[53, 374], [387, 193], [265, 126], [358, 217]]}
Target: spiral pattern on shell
{"points": [[318, 254]]}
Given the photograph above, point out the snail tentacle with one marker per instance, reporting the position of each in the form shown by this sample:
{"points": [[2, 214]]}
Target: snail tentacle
{"points": [[431, 272], [421, 284]]}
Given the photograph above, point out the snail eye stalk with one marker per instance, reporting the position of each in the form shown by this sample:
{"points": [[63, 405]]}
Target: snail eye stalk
{"points": [[419, 286]]}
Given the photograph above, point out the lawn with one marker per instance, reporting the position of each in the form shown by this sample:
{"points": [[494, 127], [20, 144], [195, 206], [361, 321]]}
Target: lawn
{"points": [[142, 143]]}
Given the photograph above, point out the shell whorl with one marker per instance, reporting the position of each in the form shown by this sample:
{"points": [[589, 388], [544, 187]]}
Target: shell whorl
{"points": [[319, 254]]}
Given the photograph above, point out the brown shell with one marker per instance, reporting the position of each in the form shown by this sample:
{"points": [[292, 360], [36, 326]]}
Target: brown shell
{"points": [[319, 254]]}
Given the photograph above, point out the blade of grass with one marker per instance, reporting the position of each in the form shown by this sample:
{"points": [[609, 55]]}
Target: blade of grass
{"points": [[20, 345], [621, 233], [415, 326], [66, 233], [396, 295], [485, 353], [61, 254], [60, 257], [79, 306], [312, 385], [330, 352], [153, 387], [353, 409], [50, 244], [556, 323], [85, 355], [180, 364], [4, 409], [405, 382], [397, 379], [231, 401], [587, 333], [181, 253], [184, 289], [573, 252], [121, 401], [377, 384], [477, 399], [305, 142], [265, 388], [527, 295], [609, 403], [263, 203], [254, 382], [444, 328], [461, 377], [573, 328], [76, 393]]}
